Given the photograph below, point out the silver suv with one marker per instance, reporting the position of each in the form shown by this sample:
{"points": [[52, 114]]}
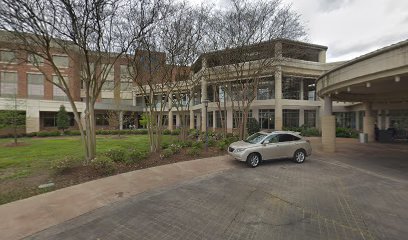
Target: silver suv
{"points": [[271, 145]]}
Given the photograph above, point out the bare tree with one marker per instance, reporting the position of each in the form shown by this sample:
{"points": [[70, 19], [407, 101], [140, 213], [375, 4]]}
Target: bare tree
{"points": [[241, 53], [94, 34], [170, 47]]}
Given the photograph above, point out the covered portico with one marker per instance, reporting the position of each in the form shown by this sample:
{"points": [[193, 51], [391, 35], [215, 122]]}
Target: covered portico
{"points": [[377, 80]]}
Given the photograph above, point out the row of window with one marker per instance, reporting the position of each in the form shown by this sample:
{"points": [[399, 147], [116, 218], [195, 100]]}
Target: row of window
{"points": [[7, 56], [267, 118], [35, 85]]}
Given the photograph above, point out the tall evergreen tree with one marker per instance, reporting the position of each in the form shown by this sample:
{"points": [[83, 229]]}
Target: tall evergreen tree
{"points": [[62, 119]]}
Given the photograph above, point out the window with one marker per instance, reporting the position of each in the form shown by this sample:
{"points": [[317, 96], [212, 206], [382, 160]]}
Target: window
{"points": [[266, 89], [101, 119], [309, 89], [109, 83], [219, 119], [35, 60], [174, 121], [125, 78], [61, 61], [310, 118], [35, 85], [290, 118], [8, 83], [345, 119], [49, 119], [272, 139], [267, 118], [238, 116], [287, 138], [398, 119], [210, 119], [7, 56], [57, 92], [291, 87]]}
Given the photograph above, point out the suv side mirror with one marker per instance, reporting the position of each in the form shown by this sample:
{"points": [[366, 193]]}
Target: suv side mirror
{"points": [[265, 142]]}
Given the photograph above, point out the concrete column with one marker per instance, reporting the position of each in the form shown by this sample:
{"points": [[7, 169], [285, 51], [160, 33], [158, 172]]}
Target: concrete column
{"points": [[214, 126], [255, 113], [301, 117], [278, 50], [387, 119], [328, 127], [368, 122], [229, 120], [191, 119], [301, 89], [32, 119], [379, 119], [199, 121], [357, 120], [278, 98], [134, 103], [178, 121], [121, 120], [203, 97], [322, 56], [170, 125]]}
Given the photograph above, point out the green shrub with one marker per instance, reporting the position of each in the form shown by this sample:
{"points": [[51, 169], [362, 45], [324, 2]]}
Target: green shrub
{"points": [[166, 132], [252, 126], [103, 165], [175, 148], [48, 134], [72, 133], [176, 132], [63, 165], [166, 153], [346, 133], [165, 145], [184, 144], [116, 154], [198, 145], [212, 142], [310, 132], [193, 151], [32, 134], [222, 145], [135, 155]]}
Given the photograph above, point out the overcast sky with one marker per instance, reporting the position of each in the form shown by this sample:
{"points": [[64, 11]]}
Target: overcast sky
{"points": [[350, 28]]}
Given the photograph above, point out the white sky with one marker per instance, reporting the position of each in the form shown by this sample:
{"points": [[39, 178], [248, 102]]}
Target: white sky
{"points": [[349, 28]]}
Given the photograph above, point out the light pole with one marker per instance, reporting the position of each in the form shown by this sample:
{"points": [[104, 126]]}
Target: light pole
{"points": [[205, 101]]}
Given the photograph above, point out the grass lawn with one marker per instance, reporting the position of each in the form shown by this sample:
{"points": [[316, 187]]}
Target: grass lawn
{"points": [[38, 153]]}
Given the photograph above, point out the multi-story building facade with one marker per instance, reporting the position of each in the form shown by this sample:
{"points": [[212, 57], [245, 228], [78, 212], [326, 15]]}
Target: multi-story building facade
{"points": [[285, 95]]}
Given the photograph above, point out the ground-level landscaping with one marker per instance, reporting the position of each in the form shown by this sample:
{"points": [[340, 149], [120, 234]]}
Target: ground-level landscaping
{"points": [[57, 161]]}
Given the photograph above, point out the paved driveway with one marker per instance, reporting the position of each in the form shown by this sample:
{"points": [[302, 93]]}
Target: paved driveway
{"points": [[341, 196]]}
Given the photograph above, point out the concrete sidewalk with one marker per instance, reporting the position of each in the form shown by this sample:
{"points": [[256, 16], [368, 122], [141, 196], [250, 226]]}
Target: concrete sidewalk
{"points": [[28, 216]]}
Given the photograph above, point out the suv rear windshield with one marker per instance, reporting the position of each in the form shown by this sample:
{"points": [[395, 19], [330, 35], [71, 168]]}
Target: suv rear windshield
{"points": [[255, 138]]}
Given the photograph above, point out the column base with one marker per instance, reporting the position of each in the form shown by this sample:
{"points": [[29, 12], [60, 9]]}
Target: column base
{"points": [[328, 133]]}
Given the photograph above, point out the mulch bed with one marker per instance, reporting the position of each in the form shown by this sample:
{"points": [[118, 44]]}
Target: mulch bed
{"points": [[15, 189]]}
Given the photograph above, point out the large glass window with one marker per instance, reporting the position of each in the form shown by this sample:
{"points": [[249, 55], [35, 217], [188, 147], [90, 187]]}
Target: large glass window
{"points": [[49, 119], [35, 84], [266, 89], [309, 89], [310, 118], [8, 83], [219, 118], [61, 61], [109, 83], [101, 119], [125, 78], [35, 60], [238, 116], [267, 118], [58, 94], [210, 119], [290, 118], [291, 87], [8, 56], [399, 119], [345, 119]]}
